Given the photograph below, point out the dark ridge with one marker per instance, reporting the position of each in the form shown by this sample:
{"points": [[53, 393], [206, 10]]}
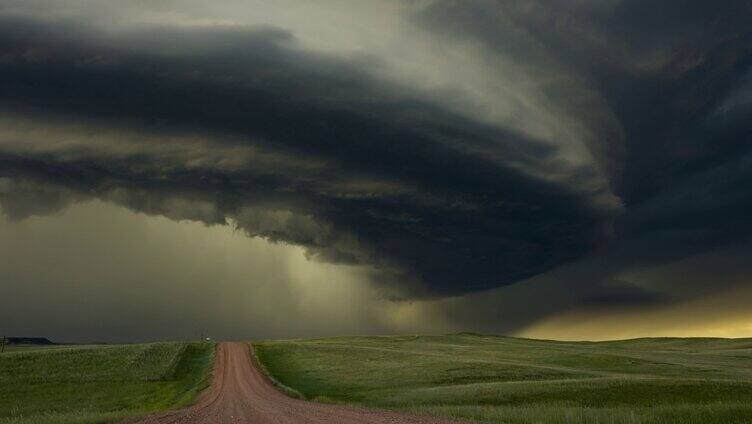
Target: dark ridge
{"points": [[29, 341]]}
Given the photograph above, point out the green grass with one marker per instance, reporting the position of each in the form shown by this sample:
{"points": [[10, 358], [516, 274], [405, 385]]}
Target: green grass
{"points": [[28, 348], [511, 380], [96, 384]]}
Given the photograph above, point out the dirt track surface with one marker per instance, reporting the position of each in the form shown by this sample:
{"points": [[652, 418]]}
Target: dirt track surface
{"points": [[241, 393]]}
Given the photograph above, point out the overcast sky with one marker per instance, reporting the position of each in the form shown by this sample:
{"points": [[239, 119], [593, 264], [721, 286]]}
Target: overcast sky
{"points": [[247, 169]]}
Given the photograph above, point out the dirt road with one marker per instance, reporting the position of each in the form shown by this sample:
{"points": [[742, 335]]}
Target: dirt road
{"points": [[241, 393]]}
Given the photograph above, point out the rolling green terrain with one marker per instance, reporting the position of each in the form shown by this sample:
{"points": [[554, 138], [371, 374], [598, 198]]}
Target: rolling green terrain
{"points": [[510, 380], [28, 348], [93, 384]]}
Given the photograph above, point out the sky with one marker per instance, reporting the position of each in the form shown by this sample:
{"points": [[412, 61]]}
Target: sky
{"points": [[171, 169]]}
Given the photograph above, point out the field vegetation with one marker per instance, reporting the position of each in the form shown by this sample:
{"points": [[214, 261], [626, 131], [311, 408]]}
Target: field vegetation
{"points": [[95, 384], [510, 380]]}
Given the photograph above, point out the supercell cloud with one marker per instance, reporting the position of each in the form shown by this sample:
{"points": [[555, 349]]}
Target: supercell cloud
{"points": [[448, 147]]}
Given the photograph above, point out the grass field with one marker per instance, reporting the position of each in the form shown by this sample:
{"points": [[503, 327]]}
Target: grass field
{"points": [[509, 380], [95, 384], [29, 348]]}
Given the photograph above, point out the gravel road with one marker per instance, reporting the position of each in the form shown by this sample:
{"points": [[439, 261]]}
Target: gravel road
{"points": [[241, 393]]}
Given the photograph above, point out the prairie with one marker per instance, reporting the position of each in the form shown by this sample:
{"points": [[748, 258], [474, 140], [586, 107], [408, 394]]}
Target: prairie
{"points": [[511, 380], [99, 383]]}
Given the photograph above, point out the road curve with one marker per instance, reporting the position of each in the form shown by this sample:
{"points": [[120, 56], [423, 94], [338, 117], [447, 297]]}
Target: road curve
{"points": [[241, 393]]}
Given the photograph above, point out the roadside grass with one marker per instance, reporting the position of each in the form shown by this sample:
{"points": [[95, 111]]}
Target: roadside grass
{"points": [[97, 384], [289, 391], [510, 380]]}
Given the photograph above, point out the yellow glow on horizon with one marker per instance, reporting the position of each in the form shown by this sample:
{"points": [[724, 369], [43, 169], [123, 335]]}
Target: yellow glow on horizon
{"points": [[725, 315]]}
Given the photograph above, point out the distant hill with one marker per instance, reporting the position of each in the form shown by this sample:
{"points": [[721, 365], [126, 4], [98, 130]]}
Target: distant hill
{"points": [[29, 341]]}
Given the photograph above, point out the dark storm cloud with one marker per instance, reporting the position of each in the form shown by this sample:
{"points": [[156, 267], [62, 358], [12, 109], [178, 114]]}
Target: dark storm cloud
{"points": [[663, 70], [439, 202], [620, 294], [373, 170]]}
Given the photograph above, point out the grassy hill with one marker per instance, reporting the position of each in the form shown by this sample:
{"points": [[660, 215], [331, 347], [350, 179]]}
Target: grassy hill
{"points": [[510, 380], [93, 384]]}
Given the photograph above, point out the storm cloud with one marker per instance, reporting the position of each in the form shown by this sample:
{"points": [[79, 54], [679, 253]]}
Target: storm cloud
{"points": [[451, 148]]}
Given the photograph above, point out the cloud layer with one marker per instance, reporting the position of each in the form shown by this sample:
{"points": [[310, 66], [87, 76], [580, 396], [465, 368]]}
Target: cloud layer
{"points": [[449, 147]]}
